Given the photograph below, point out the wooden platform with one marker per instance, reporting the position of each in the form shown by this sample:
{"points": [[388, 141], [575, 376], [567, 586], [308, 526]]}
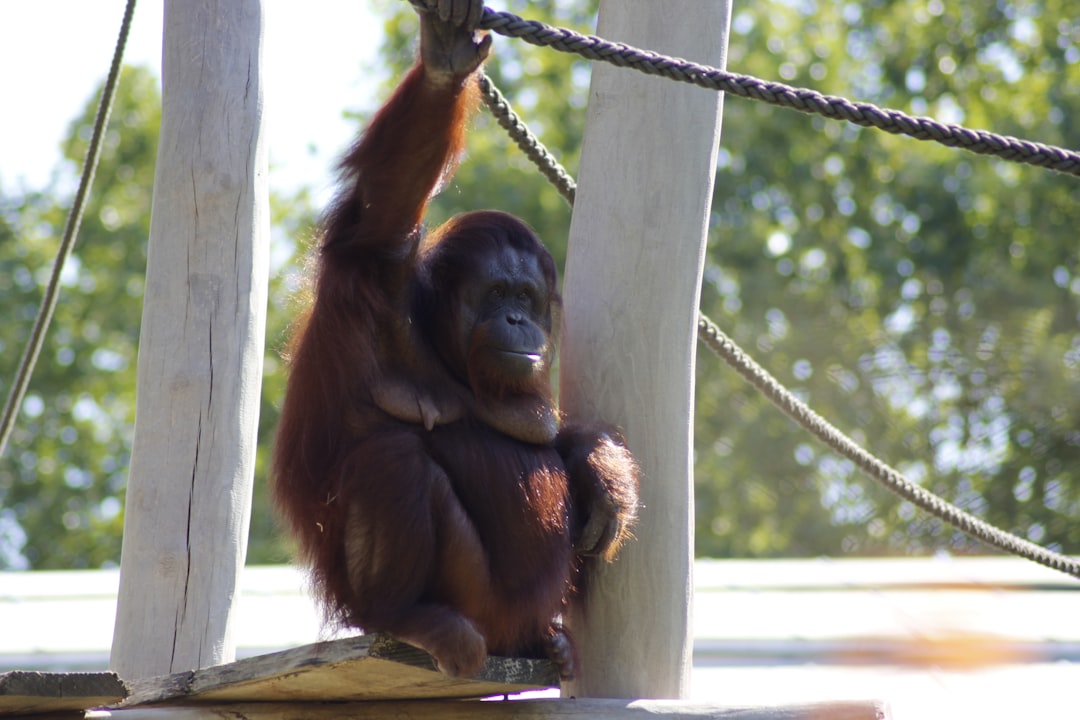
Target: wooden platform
{"points": [[360, 668], [567, 709], [361, 677]]}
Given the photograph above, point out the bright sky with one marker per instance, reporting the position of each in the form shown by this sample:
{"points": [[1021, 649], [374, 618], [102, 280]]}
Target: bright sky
{"points": [[54, 53]]}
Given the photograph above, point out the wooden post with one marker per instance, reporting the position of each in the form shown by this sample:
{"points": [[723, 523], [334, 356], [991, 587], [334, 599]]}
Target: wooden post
{"points": [[201, 348], [637, 243]]}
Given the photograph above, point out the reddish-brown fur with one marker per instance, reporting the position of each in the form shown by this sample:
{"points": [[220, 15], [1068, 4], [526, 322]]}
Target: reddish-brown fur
{"points": [[424, 483]]}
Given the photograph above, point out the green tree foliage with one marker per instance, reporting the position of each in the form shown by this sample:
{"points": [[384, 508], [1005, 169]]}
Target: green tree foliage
{"points": [[292, 221], [63, 476], [925, 299]]}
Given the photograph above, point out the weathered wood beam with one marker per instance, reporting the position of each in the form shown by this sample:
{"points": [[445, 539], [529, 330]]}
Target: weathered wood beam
{"points": [[370, 667], [566, 709], [25, 693]]}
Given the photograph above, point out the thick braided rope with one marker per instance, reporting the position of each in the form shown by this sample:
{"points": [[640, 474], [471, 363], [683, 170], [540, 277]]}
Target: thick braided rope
{"points": [[529, 143], [780, 396], [71, 232], [770, 387], [807, 101]]}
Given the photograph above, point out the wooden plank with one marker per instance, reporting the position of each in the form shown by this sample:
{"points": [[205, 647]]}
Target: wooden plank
{"points": [[568, 709], [27, 693], [360, 668]]}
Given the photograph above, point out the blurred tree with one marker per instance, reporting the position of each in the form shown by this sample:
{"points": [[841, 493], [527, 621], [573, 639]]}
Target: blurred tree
{"points": [[63, 475], [924, 299], [292, 221], [62, 478]]}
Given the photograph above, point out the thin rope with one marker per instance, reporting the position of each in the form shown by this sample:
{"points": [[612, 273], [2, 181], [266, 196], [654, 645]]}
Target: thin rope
{"points": [[801, 99], [71, 231], [770, 387], [529, 143]]}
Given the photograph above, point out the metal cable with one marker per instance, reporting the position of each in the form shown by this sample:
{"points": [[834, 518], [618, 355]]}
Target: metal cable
{"points": [[71, 231]]}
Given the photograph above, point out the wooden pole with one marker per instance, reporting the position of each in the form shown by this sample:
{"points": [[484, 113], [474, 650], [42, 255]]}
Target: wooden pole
{"points": [[637, 243], [201, 348]]}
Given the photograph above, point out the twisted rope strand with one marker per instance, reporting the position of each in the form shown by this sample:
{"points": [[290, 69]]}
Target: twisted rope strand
{"points": [[770, 387], [804, 100], [529, 143]]}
